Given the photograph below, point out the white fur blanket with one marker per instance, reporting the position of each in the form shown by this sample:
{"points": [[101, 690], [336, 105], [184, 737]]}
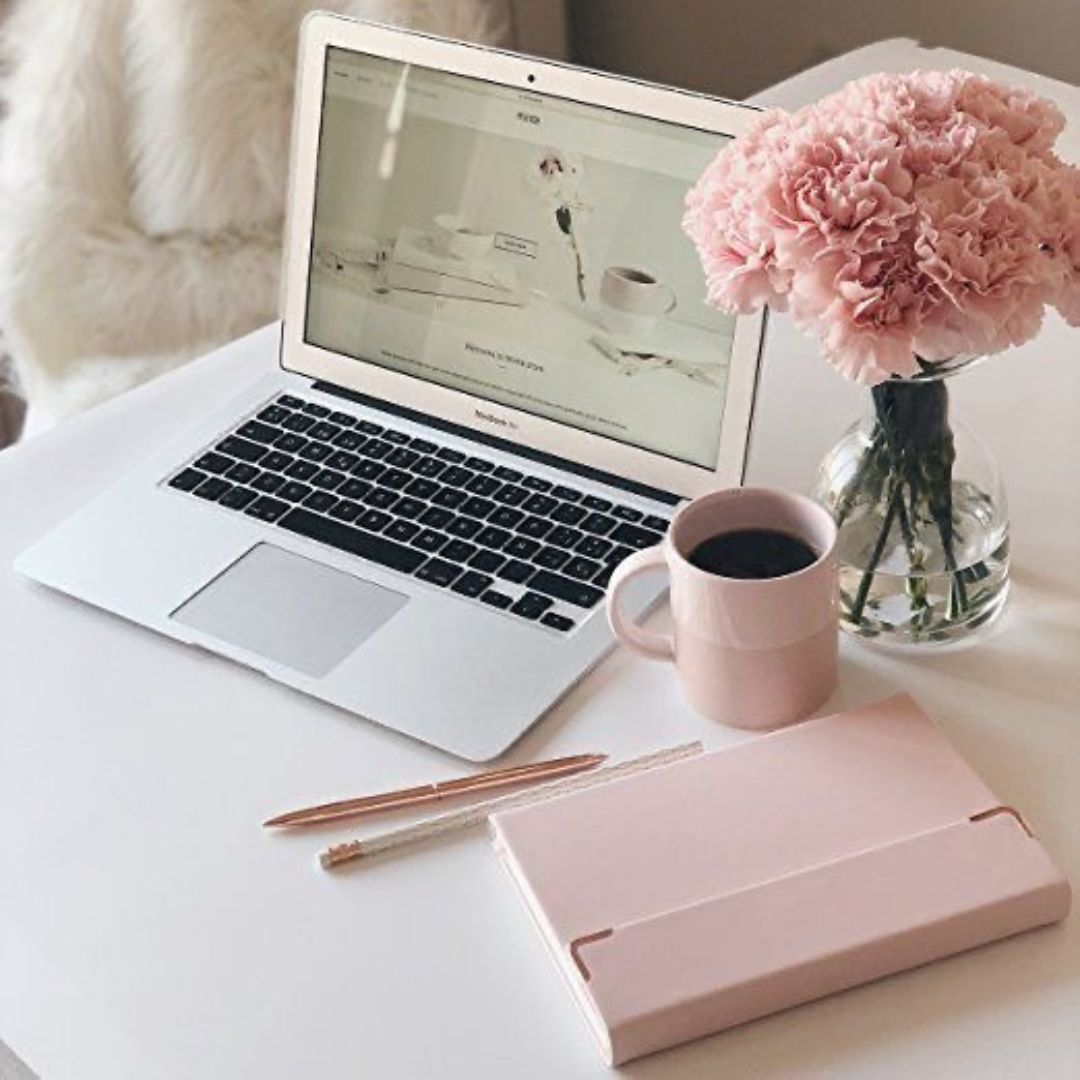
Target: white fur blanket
{"points": [[143, 168]]}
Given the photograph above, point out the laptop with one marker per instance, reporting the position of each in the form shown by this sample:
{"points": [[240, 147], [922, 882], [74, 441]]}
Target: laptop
{"points": [[498, 377]]}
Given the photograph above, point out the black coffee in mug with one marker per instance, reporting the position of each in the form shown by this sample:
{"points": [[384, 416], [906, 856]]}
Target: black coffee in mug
{"points": [[753, 553]]}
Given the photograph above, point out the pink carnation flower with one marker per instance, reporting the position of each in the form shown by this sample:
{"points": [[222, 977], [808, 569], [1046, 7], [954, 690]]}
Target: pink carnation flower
{"points": [[906, 217]]}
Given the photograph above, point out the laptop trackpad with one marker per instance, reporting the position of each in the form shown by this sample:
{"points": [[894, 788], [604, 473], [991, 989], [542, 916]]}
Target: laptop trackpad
{"points": [[289, 609]]}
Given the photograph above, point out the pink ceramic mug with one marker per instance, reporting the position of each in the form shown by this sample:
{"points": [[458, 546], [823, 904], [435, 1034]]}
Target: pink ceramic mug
{"points": [[753, 653]]}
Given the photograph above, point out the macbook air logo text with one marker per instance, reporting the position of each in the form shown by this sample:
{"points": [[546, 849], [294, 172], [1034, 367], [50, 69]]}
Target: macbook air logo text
{"points": [[491, 418]]}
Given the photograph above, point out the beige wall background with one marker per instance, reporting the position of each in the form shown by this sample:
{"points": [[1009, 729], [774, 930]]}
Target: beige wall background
{"points": [[737, 47]]}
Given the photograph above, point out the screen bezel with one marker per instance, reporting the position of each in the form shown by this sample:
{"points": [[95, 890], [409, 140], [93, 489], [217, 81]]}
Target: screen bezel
{"points": [[321, 31]]}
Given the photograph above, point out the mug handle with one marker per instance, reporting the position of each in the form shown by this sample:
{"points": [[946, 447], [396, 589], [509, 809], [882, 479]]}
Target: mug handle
{"points": [[645, 642]]}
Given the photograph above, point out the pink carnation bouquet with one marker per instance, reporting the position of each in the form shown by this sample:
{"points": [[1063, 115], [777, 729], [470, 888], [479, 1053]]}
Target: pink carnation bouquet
{"points": [[908, 223]]}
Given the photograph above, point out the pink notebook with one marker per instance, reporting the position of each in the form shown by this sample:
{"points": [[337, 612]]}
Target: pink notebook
{"points": [[719, 889]]}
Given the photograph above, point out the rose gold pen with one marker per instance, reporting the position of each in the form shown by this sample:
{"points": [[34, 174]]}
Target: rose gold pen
{"points": [[444, 789]]}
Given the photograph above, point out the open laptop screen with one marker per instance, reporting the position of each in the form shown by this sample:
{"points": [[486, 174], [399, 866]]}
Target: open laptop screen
{"points": [[519, 247]]}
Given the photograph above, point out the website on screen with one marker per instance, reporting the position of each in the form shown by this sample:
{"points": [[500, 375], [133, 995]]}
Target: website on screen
{"points": [[521, 248]]}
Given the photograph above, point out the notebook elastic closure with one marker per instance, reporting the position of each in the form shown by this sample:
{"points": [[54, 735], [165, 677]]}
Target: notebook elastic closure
{"points": [[731, 958]]}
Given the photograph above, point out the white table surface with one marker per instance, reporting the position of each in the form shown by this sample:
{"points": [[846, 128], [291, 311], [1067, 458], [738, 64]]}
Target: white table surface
{"points": [[149, 929]]}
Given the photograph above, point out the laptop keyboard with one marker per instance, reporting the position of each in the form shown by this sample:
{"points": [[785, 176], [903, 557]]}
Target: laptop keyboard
{"points": [[518, 543]]}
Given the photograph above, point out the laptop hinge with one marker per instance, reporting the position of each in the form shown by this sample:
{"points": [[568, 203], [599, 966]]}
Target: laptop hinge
{"points": [[551, 460]]}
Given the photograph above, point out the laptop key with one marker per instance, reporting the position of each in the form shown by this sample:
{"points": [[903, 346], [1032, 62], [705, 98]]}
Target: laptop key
{"points": [[298, 422], [402, 530], [397, 437], [486, 561], [573, 592], [268, 482], [654, 522], [395, 478], [368, 470], [316, 451], [237, 498], [293, 491], [511, 495], [422, 489], [447, 453], [429, 540], [521, 547], [497, 599], [290, 443], [593, 547], [550, 558], [409, 507], [312, 409], [349, 440], [328, 479], [428, 466], [302, 470], [276, 461], [581, 568], [601, 580], [346, 538], [381, 498], [274, 414], [187, 480], [436, 517], [557, 621], [402, 457], [505, 518], [458, 551], [456, 476], [536, 483], [346, 510], [627, 513], [422, 446], [516, 571], [464, 527], [242, 472], [267, 509], [214, 463], [353, 489], [477, 507], [617, 554], [368, 428], [503, 473], [320, 501], [540, 504], [594, 502], [563, 536], [212, 489], [492, 537], [566, 494], [243, 449], [531, 605], [374, 520], [483, 485], [439, 572], [257, 431], [634, 536], [567, 514], [479, 464], [288, 402], [377, 449], [341, 460], [600, 524], [471, 583], [535, 527], [342, 419], [451, 498]]}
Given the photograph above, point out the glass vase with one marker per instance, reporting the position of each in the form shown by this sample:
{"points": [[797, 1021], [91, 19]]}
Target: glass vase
{"points": [[921, 516]]}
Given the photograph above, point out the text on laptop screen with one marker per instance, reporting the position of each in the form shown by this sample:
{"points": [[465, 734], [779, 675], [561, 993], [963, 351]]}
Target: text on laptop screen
{"points": [[519, 247]]}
